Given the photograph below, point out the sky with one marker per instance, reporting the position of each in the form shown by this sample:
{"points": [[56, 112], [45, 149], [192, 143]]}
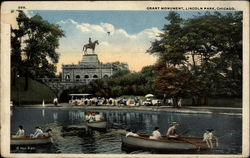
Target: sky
{"points": [[130, 34]]}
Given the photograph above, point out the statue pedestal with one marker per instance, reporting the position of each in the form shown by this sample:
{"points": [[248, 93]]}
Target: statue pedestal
{"points": [[90, 59]]}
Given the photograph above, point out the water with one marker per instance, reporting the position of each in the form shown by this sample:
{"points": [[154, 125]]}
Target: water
{"points": [[227, 127]]}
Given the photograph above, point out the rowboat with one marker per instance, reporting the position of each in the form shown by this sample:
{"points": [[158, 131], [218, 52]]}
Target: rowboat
{"points": [[97, 124], [27, 140], [182, 144]]}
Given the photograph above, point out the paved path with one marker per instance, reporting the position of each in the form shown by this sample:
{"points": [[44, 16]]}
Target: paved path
{"points": [[184, 109]]}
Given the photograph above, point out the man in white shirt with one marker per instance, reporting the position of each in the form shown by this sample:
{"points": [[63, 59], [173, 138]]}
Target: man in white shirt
{"points": [[55, 101], [97, 117], [20, 132], [156, 134], [38, 133], [130, 133]]}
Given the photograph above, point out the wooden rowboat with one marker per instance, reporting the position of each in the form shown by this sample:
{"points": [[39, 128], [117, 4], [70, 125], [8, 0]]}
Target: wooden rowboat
{"points": [[27, 140], [182, 144], [97, 124]]}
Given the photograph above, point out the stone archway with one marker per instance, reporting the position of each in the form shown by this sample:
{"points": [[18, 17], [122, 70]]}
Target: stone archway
{"points": [[95, 76], [78, 78], [86, 76], [67, 77]]}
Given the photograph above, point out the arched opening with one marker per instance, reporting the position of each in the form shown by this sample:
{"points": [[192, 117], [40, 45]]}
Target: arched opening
{"points": [[64, 96], [77, 78], [105, 76], [86, 76], [67, 78], [95, 76]]}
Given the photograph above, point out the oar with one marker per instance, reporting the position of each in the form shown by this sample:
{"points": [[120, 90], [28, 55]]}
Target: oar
{"points": [[199, 146], [184, 139], [184, 132]]}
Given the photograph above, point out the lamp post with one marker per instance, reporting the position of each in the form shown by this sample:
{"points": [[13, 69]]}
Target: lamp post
{"points": [[18, 89]]}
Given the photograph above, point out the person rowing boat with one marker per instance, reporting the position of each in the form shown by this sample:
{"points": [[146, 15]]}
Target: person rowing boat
{"points": [[171, 133]]}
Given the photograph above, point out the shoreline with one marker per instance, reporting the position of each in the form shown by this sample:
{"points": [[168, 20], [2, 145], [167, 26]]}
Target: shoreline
{"points": [[184, 109]]}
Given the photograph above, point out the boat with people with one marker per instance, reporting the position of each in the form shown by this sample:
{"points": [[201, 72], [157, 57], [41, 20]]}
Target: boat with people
{"points": [[97, 124], [28, 140], [181, 144]]}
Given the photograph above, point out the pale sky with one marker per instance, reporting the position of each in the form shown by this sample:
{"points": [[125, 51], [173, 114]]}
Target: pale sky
{"points": [[130, 34]]}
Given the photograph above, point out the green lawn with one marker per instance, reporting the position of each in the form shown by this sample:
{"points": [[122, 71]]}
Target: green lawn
{"points": [[218, 102], [36, 93]]}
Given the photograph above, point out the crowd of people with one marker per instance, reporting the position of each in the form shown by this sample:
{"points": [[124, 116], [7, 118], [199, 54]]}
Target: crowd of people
{"points": [[122, 101], [93, 116], [37, 134], [97, 101]]}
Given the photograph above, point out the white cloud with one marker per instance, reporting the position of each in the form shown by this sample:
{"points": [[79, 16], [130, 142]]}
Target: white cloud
{"points": [[83, 28], [29, 13], [104, 44], [108, 27], [119, 41]]}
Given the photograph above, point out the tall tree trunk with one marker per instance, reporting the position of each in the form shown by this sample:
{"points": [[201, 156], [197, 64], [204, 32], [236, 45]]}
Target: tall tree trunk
{"points": [[204, 101], [194, 63], [13, 77], [175, 101], [199, 100], [26, 85]]}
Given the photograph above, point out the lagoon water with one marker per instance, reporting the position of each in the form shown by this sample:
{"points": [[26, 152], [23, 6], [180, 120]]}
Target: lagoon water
{"points": [[228, 128]]}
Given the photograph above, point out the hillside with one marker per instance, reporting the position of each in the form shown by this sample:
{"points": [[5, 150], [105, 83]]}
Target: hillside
{"points": [[35, 94]]}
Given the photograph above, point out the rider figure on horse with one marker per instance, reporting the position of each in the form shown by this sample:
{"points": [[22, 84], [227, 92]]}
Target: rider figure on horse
{"points": [[90, 45], [90, 42]]}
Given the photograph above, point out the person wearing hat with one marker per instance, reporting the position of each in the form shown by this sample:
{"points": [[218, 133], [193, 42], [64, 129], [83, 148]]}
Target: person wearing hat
{"points": [[156, 134], [171, 133], [38, 133]]}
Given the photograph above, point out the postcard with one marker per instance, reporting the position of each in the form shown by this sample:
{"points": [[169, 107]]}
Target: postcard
{"points": [[125, 79]]}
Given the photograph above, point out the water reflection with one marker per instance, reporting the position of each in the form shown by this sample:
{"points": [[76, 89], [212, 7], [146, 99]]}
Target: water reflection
{"points": [[141, 121], [43, 113], [55, 116]]}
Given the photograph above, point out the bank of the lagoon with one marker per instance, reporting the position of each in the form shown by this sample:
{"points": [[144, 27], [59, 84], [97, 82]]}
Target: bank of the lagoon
{"points": [[36, 93], [142, 120], [184, 109]]}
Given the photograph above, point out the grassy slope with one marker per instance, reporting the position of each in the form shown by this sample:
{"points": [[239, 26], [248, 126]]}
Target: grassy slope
{"points": [[219, 102], [35, 94]]}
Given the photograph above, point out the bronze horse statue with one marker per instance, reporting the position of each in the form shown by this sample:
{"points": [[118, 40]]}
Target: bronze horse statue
{"points": [[90, 46]]}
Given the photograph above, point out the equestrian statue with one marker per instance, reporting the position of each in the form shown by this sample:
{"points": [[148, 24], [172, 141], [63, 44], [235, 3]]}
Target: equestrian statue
{"points": [[90, 45]]}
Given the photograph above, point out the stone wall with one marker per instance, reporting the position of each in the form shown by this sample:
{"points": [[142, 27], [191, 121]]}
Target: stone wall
{"points": [[89, 68]]}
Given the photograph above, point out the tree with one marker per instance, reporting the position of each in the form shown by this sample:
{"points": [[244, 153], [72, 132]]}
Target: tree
{"points": [[169, 47], [34, 45], [217, 40], [214, 43], [171, 53], [119, 68]]}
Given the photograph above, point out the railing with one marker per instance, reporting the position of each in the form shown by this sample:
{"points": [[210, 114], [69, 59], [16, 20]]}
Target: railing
{"points": [[86, 80], [49, 79], [95, 66]]}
